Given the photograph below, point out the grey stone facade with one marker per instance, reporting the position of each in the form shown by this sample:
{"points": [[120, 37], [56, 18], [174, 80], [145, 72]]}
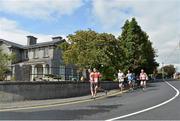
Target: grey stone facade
{"points": [[35, 61]]}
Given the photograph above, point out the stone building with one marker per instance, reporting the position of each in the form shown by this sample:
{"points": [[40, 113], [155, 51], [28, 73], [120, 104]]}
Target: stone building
{"points": [[35, 61]]}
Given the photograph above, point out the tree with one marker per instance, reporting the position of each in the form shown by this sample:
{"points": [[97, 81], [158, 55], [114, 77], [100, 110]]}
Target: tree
{"points": [[132, 50], [78, 51], [4, 63], [89, 49], [169, 70], [110, 50], [136, 48]]}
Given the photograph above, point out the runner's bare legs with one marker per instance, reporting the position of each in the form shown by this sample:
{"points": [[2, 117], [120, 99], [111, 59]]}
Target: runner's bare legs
{"points": [[95, 90], [92, 89]]}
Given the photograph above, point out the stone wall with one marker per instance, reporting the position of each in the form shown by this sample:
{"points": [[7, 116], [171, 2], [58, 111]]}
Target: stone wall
{"points": [[20, 91]]}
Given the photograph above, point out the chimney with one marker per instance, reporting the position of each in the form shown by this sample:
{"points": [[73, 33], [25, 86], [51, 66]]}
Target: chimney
{"points": [[31, 40], [58, 38]]}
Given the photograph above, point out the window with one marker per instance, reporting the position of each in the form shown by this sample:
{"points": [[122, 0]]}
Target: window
{"points": [[35, 53], [62, 70], [46, 52], [47, 69], [26, 54]]}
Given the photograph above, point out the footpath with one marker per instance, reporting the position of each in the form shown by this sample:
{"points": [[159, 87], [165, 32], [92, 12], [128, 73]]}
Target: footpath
{"points": [[54, 102]]}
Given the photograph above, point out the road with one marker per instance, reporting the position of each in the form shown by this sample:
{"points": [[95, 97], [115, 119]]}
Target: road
{"points": [[111, 107]]}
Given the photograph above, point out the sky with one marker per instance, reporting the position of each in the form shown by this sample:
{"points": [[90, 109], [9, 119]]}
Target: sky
{"points": [[45, 19]]}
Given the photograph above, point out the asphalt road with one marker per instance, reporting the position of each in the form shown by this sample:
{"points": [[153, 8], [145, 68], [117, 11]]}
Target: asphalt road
{"points": [[111, 107]]}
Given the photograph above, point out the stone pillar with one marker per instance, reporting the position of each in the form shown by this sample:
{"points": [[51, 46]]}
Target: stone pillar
{"points": [[44, 70], [32, 72], [35, 72], [50, 69]]}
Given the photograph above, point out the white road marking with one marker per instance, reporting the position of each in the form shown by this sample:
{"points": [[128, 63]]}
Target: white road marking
{"points": [[150, 108]]}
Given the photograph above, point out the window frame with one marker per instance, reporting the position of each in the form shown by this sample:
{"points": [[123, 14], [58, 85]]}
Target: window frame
{"points": [[46, 52]]}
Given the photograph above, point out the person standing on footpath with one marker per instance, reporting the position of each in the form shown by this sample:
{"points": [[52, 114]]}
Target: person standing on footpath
{"points": [[121, 77], [91, 80]]}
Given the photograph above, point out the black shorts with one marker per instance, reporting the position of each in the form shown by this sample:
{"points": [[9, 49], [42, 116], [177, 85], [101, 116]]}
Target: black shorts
{"points": [[93, 85]]}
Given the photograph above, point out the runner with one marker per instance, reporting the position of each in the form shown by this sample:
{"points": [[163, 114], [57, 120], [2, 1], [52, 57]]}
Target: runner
{"points": [[143, 77], [130, 79], [121, 77], [133, 80], [138, 81], [96, 76]]}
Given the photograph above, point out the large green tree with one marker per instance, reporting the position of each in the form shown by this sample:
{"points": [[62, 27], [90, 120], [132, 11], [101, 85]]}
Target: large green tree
{"points": [[132, 50], [88, 48], [78, 50], [136, 48], [5, 60], [168, 70]]}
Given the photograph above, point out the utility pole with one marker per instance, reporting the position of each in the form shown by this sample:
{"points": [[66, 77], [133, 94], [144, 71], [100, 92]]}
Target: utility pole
{"points": [[163, 71], [178, 56]]}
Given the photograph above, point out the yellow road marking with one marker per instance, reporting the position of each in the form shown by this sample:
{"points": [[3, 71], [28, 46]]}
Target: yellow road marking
{"points": [[60, 104]]}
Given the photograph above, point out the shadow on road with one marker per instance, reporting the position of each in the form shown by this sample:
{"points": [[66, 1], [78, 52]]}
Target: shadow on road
{"points": [[120, 95], [62, 114]]}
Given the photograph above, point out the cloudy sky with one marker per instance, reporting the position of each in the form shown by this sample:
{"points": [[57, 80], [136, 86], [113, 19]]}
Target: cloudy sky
{"points": [[47, 18]]}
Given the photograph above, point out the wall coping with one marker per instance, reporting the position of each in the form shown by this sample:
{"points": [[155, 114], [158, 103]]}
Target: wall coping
{"points": [[46, 82]]}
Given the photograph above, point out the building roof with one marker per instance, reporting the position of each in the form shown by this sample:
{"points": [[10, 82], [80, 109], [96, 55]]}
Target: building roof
{"points": [[12, 44], [54, 42]]}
